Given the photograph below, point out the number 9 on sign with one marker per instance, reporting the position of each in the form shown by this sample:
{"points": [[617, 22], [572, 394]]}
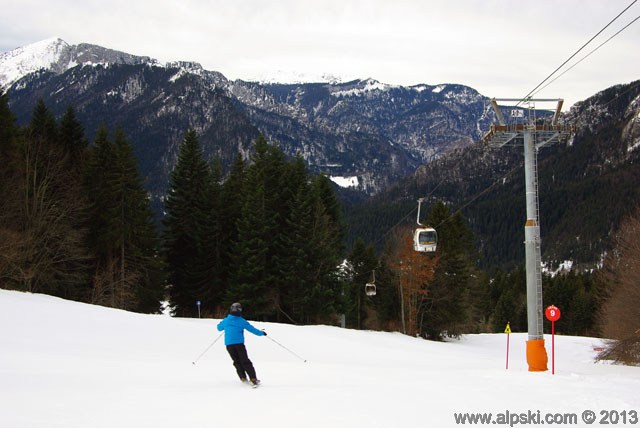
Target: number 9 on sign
{"points": [[552, 313]]}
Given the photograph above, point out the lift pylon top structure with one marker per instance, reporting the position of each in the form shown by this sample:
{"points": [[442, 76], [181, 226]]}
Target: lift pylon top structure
{"points": [[534, 133], [546, 129]]}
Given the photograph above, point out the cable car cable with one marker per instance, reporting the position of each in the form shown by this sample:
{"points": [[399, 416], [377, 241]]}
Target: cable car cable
{"points": [[574, 54], [477, 195], [531, 93], [403, 219], [467, 203], [587, 55]]}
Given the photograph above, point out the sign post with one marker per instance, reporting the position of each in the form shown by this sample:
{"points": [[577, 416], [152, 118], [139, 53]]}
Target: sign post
{"points": [[553, 314], [508, 331], [198, 304]]}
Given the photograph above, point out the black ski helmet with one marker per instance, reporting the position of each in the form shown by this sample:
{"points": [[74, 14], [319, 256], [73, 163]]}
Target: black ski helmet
{"points": [[236, 307]]}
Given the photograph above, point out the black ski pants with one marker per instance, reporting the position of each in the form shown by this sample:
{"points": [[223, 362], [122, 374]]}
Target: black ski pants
{"points": [[241, 361]]}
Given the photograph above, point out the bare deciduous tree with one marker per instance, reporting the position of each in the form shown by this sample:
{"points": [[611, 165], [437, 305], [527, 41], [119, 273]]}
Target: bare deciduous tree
{"points": [[414, 271], [620, 313], [42, 247], [113, 285]]}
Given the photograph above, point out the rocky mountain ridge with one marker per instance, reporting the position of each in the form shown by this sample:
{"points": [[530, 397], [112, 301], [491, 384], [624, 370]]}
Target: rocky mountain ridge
{"points": [[364, 129]]}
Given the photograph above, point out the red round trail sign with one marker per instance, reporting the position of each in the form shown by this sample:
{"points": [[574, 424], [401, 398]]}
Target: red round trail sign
{"points": [[552, 313]]}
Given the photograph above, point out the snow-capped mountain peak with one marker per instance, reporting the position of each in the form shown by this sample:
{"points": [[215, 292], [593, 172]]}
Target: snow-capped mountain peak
{"points": [[19, 62], [58, 56], [361, 87]]}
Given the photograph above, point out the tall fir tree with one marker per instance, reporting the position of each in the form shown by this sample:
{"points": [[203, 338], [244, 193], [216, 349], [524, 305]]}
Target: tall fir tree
{"points": [[73, 139], [327, 244], [186, 227], [508, 295], [43, 124], [8, 129], [293, 246], [231, 201], [326, 195], [362, 264], [102, 214], [213, 242], [448, 311], [122, 234], [140, 268], [253, 281], [8, 149]]}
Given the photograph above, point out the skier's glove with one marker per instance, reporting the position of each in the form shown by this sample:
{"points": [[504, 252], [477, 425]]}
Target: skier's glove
{"points": [[265, 333]]}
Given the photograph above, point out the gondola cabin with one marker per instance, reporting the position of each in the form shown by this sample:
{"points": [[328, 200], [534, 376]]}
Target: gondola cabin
{"points": [[370, 289], [425, 239]]}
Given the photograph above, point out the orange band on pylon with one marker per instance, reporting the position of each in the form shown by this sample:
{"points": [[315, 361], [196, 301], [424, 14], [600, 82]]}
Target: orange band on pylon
{"points": [[537, 355]]}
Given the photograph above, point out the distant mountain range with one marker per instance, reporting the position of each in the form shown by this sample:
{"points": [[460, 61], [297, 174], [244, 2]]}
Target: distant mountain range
{"points": [[397, 143], [368, 133]]}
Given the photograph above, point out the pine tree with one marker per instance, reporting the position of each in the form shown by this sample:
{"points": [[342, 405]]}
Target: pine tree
{"points": [[253, 281], [327, 250], [185, 227], [509, 294], [73, 140], [140, 285], [326, 195], [213, 245], [293, 246], [230, 205], [8, 149], [387, 302], [43, 124], [122, 234], [288, 246], [11, 190], [447, 309], [362, 263], [8, 128], [102, 213]]}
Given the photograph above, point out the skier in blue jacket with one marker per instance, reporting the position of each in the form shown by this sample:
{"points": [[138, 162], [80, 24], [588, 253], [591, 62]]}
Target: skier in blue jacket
{"points": [[234, 326]]}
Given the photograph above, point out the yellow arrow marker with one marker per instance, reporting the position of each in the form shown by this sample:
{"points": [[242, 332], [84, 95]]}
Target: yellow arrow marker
{"points": [[508, 329]]}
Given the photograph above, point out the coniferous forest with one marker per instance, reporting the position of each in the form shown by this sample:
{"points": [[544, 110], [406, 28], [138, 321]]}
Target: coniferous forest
{"points": [[76, 222]]}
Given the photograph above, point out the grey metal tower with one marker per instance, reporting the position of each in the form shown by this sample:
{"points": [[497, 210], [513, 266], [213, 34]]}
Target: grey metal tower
{"points": [[534, 134]]}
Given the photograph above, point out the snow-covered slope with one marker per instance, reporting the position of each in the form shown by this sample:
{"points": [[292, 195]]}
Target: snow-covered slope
{"points": [[19, 62], [57, 56], [73, 365]]}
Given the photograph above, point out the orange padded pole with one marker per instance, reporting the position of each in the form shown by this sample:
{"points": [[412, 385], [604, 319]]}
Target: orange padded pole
{"points": [[537, 355]]}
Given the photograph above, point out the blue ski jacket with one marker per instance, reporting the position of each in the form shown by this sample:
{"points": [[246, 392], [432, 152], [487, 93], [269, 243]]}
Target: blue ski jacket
{"points": [[234, 327]]}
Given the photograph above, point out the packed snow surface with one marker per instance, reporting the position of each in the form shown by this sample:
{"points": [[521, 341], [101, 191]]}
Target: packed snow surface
{"points": [[351, 181], [73, 365]]}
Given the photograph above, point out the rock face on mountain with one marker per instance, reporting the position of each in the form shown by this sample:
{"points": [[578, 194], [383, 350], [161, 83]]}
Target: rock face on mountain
{"points": [[374, 132], [587, 187]]}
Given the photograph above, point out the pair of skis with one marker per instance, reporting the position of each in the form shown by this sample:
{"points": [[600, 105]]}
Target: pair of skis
{"points": [[253, 385]]}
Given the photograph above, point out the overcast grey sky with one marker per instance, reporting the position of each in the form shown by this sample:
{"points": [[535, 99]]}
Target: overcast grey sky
{"points": [[502, 48]]}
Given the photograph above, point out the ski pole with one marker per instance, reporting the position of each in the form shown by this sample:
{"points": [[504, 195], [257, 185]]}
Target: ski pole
{"points": [[284, 347], [208, 347]]}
